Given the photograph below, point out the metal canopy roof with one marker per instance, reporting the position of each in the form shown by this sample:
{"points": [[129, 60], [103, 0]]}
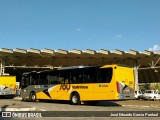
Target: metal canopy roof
{"points": [[60, 57], [48, 58]]}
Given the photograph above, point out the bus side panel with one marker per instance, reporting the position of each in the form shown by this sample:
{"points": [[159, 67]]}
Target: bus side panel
{"points": [[40, 90], [100, 91], [7, 85], [87, 92], [55, 92], [124, 81]]}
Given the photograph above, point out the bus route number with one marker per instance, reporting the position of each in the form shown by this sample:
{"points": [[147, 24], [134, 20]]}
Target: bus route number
{"points": [[65, 87]]}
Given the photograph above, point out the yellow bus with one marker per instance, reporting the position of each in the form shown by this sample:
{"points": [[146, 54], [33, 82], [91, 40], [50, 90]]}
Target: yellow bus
{"points": [[8, 86], [88, 84]]}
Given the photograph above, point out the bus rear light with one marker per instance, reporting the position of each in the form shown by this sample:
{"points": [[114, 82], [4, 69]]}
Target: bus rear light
{"points": [[118, 87]]}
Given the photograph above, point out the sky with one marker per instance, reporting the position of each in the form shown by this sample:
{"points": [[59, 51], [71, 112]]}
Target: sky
{"points": [[80, 24]]}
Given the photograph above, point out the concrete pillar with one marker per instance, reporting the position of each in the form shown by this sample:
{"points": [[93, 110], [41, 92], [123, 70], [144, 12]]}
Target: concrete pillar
{"points": [[136, 78], [2, 67]]}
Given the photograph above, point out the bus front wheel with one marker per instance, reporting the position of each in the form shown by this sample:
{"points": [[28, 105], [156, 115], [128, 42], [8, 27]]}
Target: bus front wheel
{"points": [[32, 97], [75, 99]]}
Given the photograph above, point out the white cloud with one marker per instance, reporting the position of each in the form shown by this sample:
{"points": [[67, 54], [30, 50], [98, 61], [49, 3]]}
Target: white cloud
{"points": [[155, 48], [119, 36]]}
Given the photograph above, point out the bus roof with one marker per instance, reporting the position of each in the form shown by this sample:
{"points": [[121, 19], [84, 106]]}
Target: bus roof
{"points": [[76, 67], [115, 65], [59, 69], [26, 73]]}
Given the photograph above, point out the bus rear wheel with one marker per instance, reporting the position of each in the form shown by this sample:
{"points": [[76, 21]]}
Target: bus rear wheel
{"points": [[32, 97], [75, 99]]}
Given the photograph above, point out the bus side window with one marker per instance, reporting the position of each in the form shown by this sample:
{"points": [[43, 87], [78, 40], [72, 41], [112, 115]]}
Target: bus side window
{"points": [[79, 78], [50, 79], [76, 76], [90, 75], [53, 78], [105, 75], [25, 81], [64, 77], [73, 80], [60, 80], [86, 78], [66, 81], [34, 81], [43, 80]]}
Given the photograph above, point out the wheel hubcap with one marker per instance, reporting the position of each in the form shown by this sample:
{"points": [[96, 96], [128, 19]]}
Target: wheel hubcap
{"points": [[74, 99], [33, 97]]}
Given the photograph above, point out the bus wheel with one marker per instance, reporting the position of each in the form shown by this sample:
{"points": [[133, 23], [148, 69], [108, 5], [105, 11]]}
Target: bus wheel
{"points": [[32, 97], [75, 99]]}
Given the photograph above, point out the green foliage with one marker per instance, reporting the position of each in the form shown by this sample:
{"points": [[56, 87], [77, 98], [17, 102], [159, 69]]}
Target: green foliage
{"points": [[149, 86]]}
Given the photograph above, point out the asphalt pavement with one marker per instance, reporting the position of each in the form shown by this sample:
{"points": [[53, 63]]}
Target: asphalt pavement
{"points": [[99, 111]]}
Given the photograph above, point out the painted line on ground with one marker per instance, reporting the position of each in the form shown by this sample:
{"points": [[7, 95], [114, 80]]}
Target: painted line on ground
{"points": [[21, 109], [136, 106]]}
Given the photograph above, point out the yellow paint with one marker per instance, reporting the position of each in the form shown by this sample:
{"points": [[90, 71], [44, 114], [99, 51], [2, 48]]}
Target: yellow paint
{"points": [[94, 91], [8, 81]]}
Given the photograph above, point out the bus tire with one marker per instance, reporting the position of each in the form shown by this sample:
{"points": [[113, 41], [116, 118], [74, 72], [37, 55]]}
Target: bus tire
{"points": [[75, 99], [32, 97]]}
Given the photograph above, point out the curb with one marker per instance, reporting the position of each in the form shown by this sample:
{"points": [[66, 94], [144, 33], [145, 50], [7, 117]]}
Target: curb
{"points": [[135, 106], [17, 98]]}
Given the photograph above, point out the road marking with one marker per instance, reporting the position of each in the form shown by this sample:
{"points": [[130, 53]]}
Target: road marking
{"points": [[21, 109], [17, 98], [135, 106]]}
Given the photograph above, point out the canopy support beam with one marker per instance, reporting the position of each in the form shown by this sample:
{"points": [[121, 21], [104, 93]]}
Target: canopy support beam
{"points": [[152, 65]]}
